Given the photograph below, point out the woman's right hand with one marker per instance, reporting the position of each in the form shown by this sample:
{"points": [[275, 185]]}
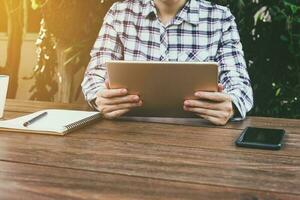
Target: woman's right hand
{"points": [[113, 103]]}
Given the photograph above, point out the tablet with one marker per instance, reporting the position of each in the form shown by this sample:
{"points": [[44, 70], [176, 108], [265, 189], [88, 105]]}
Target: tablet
{"points": [[163, 86]]}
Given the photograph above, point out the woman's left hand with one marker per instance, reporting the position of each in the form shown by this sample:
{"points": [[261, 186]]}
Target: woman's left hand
{"points": [[215, 107]]}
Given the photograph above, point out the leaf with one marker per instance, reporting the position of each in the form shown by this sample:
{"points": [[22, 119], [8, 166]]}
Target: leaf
{"points": [[278, 92], [292, 6], [283, 38], [35, 5], [294, 9], [297, 20]]}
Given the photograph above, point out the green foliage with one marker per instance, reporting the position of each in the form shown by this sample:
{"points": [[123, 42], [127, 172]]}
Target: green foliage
{"points": [[270, 33], [69, 28], [45, 86]]}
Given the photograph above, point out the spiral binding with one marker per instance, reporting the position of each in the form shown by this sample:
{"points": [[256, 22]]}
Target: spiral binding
{"points": [[83, 122]]}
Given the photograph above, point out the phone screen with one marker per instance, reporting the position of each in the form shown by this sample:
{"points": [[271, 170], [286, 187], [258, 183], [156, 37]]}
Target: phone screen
{"points": [[264, 136], [261, 138]]}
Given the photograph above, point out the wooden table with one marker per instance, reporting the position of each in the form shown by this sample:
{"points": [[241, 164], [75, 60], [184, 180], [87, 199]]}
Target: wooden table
{"points": [[138, 160]]}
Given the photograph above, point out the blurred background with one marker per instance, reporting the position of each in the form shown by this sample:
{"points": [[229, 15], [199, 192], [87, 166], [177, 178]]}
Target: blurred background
{"points": [[45, 45]]}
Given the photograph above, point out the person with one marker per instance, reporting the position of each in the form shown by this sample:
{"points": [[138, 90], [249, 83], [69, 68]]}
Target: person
{"points": [[171, 30]]}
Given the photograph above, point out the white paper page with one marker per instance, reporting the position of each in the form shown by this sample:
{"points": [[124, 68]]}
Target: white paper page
{"points": [[54, 121]]}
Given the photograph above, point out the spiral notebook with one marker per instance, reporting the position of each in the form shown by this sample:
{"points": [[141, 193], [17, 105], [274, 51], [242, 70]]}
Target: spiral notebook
{"points": [[56, 122]]}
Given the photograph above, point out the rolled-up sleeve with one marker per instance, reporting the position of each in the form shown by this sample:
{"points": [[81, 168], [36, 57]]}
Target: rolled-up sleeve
{"points": [[107, 47], [233, 71]]}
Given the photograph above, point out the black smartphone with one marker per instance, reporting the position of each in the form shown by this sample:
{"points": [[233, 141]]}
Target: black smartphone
{"points": [[261, 138]]}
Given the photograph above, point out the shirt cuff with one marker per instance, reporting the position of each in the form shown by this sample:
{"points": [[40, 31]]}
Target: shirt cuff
{"points": [[239, 115], [92, 104]]}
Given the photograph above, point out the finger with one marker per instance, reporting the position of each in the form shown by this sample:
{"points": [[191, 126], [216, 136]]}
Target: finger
{"points": [[214, 120], [112, 108], [115, 114], [107, 83], [118, 100], [204, 104], [220, 87], [110, 93], [203, 111], [213, 96]]}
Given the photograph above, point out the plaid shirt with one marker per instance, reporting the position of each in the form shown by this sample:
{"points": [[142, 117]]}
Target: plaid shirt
{"points": [[201, 31]]}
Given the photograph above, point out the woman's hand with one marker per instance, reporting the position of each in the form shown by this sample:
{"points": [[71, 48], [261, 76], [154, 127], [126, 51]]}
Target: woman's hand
{"points": [[215, 107], [113, 103]]}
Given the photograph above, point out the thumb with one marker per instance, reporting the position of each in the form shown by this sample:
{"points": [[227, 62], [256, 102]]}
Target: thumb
{"points": [[107, 83], [220, 87]]}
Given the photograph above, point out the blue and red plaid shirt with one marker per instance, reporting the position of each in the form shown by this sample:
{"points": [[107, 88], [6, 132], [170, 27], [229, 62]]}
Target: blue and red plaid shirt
{"points": [[201, 31]]}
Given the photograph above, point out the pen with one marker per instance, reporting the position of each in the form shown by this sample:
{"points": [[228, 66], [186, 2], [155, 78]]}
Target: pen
{"points": [[35, 119]]}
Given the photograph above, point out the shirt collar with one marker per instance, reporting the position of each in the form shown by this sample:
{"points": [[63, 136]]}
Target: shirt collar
{"points": [[189, 12]]}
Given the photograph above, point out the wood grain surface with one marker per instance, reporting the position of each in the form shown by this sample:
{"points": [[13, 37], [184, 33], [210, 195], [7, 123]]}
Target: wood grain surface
{"points": [[20, 180], [143, 160]]}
